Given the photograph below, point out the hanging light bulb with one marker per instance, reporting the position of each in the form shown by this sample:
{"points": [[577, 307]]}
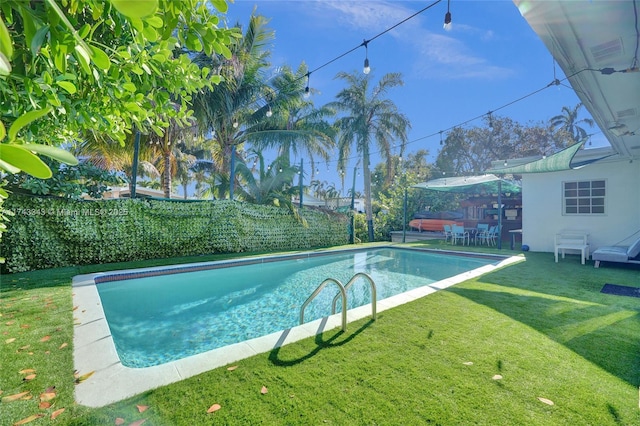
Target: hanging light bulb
{"points": [[447, 18], [490, 119], [269, 112], [367, 68], [505, 163], [307, 91], [441, 137], [235, 123]]}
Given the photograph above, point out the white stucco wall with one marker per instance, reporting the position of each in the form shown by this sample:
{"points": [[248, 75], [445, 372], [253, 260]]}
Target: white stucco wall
{"points": [[542, 206]]}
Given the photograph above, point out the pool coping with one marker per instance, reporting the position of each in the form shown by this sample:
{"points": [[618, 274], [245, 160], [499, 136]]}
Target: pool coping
{"points": [[94, 350]]}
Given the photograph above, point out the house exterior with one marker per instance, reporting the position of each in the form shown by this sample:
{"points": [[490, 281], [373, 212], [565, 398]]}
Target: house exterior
{"points": [[596, 43], [546, 210]]}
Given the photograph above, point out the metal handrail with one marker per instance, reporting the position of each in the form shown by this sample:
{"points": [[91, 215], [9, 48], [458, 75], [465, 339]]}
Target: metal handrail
{"points": [[322, 285], [346, 287]]}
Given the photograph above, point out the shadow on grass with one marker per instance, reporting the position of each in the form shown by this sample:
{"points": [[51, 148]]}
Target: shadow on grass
{"points": [[563, 301], [337, 339]]}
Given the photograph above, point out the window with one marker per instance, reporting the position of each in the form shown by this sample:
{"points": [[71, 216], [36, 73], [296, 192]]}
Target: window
{"points": [[584, 197]]}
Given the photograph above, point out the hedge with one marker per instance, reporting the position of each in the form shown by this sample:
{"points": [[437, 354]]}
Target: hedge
{"points": [[51, 232]]}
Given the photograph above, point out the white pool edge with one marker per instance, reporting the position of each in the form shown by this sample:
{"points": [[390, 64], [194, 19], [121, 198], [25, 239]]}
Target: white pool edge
{"points": [[94, 349]]}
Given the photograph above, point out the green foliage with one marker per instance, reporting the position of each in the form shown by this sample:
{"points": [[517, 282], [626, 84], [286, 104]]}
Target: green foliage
{"points": [[66, 181], [95, 67], [469, 151], [47, 233]]}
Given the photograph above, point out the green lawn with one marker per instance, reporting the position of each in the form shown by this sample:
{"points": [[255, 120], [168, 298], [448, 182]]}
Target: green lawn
{"points": [[496, 350]]}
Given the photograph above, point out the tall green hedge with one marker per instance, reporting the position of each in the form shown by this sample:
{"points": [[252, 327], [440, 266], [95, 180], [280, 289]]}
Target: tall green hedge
{"points": [[48, 232]]}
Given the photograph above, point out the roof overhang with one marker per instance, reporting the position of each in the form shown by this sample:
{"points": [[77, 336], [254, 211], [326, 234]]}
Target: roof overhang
{"points": [[595, 42]]}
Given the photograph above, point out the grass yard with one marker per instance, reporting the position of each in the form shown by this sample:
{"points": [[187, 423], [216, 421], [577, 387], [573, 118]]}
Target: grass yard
{"points": [[535, 343]]}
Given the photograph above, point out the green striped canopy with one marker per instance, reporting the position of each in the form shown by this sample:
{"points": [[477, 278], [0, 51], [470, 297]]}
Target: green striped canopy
{"points": [[485, 184]]}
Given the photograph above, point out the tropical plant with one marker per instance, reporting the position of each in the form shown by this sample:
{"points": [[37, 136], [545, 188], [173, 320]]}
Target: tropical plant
{"points": [[66, 181], [292, 124], [272, 186], [110, 155], [368, 119], [224, 113], [88, 66], [569, 122]]}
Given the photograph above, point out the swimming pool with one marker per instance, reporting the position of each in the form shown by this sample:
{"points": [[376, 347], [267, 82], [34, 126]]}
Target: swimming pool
{"points": [[191, 312], [94, 348]]}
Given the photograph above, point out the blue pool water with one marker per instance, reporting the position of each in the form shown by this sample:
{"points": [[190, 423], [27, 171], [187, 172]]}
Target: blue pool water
{"points": [[162, 318]]}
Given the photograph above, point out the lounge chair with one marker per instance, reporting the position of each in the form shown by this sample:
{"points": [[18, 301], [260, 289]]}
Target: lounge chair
{"points": [[621, 254]]}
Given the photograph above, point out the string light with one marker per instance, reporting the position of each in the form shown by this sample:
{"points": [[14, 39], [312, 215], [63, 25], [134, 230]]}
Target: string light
{"points": [[235, 123], [447, 18], [307, 91], [367, 68], [269, 113]]}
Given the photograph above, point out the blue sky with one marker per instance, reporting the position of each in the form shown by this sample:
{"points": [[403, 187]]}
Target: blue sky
{"points": [[490, 58]]}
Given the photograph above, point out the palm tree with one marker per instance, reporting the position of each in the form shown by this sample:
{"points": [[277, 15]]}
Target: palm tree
{"points": [[569, 122], [225, 111], [368, 117], [272, 186], [110, 155], [292, 124]]}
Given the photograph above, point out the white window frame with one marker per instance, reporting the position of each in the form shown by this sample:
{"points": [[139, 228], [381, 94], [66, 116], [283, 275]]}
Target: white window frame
{"points": [[584, 197]]}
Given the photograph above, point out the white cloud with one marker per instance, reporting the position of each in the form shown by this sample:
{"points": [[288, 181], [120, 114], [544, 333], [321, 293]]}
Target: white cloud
{"points": [[441, 56]]}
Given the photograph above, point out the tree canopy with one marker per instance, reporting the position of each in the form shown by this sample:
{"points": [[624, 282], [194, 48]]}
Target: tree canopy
{"points": [[94, 67]]}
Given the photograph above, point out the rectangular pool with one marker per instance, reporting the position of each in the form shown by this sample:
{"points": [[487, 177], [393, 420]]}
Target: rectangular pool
{"points": [[140, 329], [195, 311]]}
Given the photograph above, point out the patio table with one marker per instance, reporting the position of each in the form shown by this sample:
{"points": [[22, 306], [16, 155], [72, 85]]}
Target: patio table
{"points": [[513, 233]]}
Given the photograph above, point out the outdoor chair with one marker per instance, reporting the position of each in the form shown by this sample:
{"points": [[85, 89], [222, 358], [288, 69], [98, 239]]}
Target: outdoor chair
{"points": [[447, 232], [485, 237], [493, 236], [458, 232], [620, 254], [481, 230]]}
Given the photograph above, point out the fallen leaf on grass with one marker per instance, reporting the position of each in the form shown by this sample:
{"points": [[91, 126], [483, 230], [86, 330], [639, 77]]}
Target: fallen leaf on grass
{"points": [[45, 338], [13, 339], [80, 379], [15, 397], [64, 345], [468, 363], [497, 377], [545, 400], [47, 396], [233, 367], [142, 408], [138, 422], [264, 390], [28, 419], [29, 377], [214, 408], [57, 413], [119, 421], [25, 347], [9, 323], [25, 326], [27, 371], [44, 405]]}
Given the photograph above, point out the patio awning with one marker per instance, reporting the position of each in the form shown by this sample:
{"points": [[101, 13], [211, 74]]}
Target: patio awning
{"points": [[485, 184], [561, 160]]}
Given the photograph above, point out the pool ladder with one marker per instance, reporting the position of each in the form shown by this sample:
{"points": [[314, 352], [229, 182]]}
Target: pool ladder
{"points": [[342, 293]]}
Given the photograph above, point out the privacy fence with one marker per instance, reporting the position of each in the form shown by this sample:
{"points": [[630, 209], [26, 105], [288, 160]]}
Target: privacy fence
{"points": [[48, 232]]}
